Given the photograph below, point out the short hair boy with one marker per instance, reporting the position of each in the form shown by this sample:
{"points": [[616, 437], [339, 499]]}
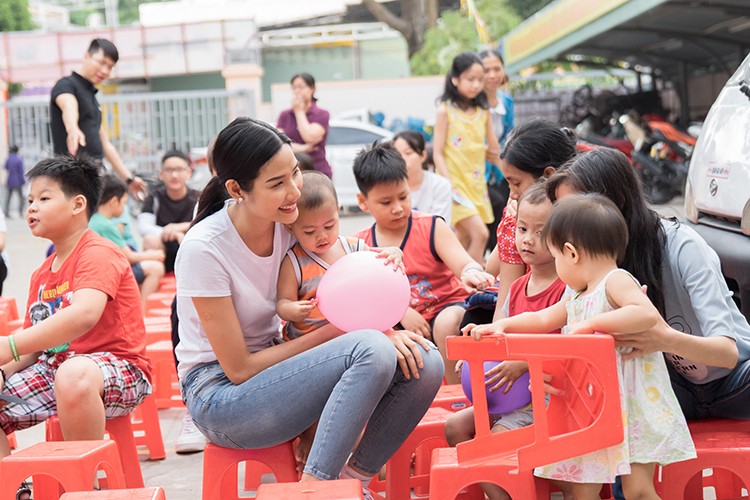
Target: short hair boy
{"points": [[147, 266], [433, 257], [82, 352], [168, 211]]}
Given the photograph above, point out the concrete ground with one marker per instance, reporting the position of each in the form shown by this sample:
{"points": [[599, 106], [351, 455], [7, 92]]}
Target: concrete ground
{"points": [[179, 475]]}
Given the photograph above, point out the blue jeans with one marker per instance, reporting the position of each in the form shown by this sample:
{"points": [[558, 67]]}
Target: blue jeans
{"points": [[727, 397], [346, 384]]}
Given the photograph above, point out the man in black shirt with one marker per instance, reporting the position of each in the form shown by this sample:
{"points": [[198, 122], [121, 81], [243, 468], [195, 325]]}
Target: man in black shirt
{"points": [[75, 115]]}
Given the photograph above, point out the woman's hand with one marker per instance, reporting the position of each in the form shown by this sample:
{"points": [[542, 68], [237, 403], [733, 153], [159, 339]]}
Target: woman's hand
{"points": [[393, 256], [653, 340], [407, 351], [415, 322], [506, 372], [298, 104]]}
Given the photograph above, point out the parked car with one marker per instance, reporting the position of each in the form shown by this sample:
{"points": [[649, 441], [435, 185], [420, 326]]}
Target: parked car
{"points": [[717, 193], [346, 138]]}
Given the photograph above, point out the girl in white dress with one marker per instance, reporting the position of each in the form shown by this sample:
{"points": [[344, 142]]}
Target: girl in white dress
{"points": [[587, 235]]}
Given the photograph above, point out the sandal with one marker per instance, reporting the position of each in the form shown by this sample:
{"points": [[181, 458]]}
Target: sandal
{"points": [[23, 490]]}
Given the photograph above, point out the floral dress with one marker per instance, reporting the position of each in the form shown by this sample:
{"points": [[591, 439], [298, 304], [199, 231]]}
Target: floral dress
{"points": [[655, 430]]}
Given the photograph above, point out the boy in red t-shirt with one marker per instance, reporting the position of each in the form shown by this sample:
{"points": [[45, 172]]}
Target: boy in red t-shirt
{"points": [[439, 269], [538, 289], [82, 352]]}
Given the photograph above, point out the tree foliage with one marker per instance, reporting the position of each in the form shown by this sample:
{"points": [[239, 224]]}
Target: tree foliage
{"points": [[416, 17], [455, 33], [15, 15], [527, 8]]}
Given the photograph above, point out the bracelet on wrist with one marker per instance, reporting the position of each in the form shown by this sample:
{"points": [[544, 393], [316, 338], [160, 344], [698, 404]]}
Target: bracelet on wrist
{"points": [[13, 348]]}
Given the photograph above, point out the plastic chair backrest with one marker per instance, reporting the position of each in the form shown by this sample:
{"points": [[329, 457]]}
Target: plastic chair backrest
{"points": [[585, 418]]}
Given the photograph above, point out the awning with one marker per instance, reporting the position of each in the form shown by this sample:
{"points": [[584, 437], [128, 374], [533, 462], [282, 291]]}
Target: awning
{"points": [[705, 35]]}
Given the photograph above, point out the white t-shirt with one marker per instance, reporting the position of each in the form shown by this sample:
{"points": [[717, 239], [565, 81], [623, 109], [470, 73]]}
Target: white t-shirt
{"points": [[213, 261], [433, 196]]}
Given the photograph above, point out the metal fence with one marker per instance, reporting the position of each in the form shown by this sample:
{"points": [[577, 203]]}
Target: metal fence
{"points": [[141, 126]]}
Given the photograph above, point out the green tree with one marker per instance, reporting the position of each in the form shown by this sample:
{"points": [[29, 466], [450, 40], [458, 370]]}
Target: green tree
{"points": [[15, 15], [455, 33], [527, 8]]}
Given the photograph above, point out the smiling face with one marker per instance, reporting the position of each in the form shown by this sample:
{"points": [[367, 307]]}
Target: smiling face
{"points": [[389, 204], [96, 67], [50, 210], [494, 73], [529, 224], [274, 193], [471, 82], [317, 229]]}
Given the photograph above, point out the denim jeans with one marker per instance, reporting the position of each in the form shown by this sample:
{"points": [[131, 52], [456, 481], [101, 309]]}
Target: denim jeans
{"points": [[346, 384], [727, 397]]}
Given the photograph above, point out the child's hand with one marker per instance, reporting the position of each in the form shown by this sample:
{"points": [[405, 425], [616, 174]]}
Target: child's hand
{"points": [[479, 331], [459, 364], [549, 388], [393, 256], [298, 310], [476, 279], [414, 322], [506, 372], [580, 328]]}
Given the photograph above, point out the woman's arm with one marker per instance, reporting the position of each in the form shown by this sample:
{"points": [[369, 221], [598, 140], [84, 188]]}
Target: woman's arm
{"points": [[492, 152], [219, 320], [311, 132], [438, 141]]}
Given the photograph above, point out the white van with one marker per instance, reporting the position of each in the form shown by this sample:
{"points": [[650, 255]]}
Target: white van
{"points": [[717, 194]]}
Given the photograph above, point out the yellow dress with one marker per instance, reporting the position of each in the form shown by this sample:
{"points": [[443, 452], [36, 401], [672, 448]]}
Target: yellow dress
{"points": [[464, 158]]}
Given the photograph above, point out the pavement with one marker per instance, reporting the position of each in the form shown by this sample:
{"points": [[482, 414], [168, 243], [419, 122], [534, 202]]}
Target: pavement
{"points": [[179, 475]]}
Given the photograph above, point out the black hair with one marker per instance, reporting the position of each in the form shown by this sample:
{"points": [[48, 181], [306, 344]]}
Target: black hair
{"points": [[13, 149], [309, 81], [317, 189], [378, 164], [108, 48], [461, 63], [75, 175], [496, 54], [608, 172], [112, 187], [591, 223], [241, 149], [304, 161], [538, 144], [414, 139], [175, 153], [536, 194]]}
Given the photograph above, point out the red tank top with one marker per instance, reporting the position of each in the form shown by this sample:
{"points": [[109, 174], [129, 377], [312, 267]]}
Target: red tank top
{"points": [[433, 284], [519, 302]]}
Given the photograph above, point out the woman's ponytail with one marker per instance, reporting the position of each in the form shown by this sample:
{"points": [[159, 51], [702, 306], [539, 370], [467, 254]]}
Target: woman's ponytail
{"points": [[212, 199]]}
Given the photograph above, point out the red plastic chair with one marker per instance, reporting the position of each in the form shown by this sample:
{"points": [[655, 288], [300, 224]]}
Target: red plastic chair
{"points": [[340, 489], [586, 418], [220, 468], [722, 445], [131, 494], [451, 397], [166, 388]]}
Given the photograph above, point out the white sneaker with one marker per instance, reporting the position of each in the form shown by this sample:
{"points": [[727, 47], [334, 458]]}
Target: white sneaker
{"points": [[190, 439]]}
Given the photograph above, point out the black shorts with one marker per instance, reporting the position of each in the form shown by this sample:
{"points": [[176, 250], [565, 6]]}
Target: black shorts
{"points": [[138, 272]]}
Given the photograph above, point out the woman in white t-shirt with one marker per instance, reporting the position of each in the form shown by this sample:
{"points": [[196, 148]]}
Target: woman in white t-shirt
{"points": [[243, 385], [430, 192]]}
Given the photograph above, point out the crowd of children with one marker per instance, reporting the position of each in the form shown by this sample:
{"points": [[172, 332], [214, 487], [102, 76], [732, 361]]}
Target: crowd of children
{"points": [[578, 251]]}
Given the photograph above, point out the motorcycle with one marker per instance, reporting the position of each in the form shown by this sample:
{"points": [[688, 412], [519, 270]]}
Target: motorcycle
{"points": [[661, 155]]}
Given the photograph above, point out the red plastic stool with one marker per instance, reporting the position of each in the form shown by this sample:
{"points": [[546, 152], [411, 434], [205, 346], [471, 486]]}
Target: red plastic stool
{"points": [[220, 468], [451, 397], [9, 304], [168, 283], [340, 489], [165, 312], [159, 332], [157, 320], [428, 435], [722, 445], [166, 387], [160, 299], [147, 429], [132, 494], [72, 463], [120, 431], [12, 442]]}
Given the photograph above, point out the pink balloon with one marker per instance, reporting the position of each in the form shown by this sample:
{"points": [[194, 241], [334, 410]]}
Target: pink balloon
{"points": [[362, 291]]}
